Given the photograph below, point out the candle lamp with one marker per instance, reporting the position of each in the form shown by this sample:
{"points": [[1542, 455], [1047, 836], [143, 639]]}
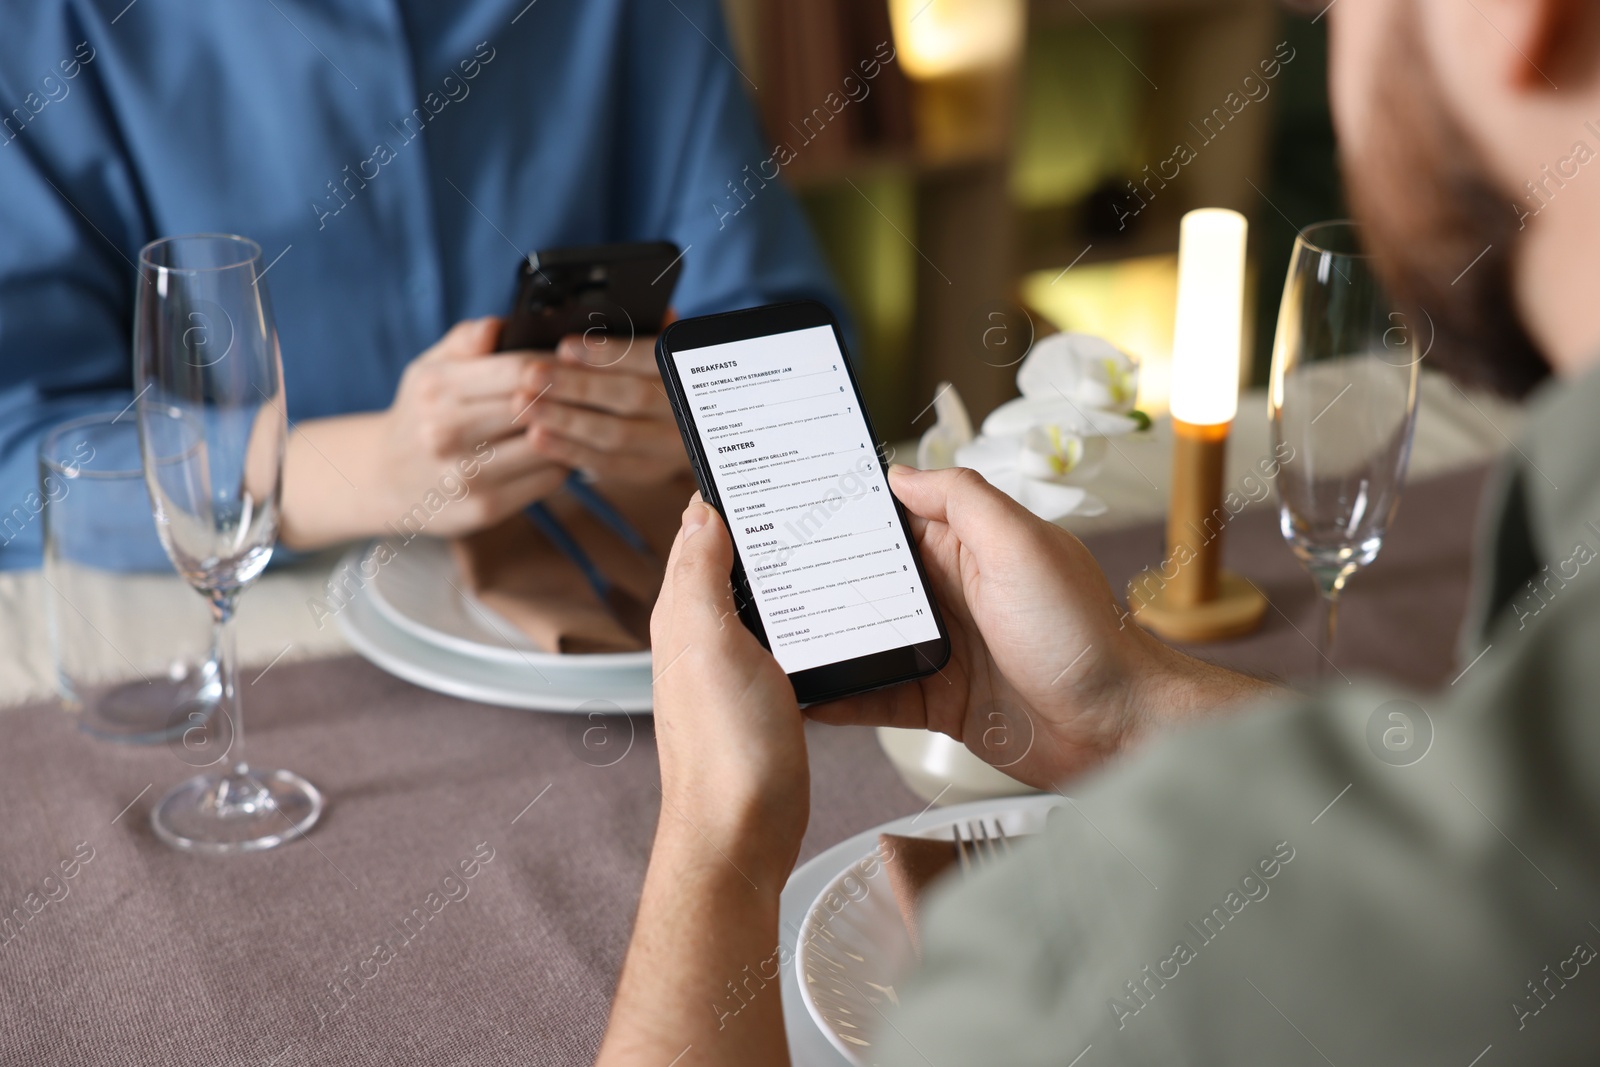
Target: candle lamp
{"points": [[1188, 597]]}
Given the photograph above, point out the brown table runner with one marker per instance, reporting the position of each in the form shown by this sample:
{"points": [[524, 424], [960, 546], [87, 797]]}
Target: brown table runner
{"points": [[468, 895]]}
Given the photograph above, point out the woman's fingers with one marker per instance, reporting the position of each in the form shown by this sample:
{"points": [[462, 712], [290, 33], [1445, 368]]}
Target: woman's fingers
{"points": [[610, 389], [618, 466], [467, 339], [462, 428], [901, 707], [498, 376], [607, 445], [532, 485], [622, 355], [695, 587], [515, 457]]}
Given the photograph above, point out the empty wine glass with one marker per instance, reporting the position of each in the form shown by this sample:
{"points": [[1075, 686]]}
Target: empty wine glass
{"points": [[1342, 405], [209, 395]]}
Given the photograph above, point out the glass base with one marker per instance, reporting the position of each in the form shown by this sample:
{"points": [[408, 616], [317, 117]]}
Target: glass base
{"points": [[147, 713], [240, 811]]}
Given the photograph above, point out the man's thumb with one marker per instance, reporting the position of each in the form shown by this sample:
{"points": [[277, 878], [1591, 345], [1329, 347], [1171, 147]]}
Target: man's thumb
{"points": [[703, 555]]}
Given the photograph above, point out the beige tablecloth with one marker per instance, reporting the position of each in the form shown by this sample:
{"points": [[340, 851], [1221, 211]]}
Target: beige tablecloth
{"points": [[366, 943]]}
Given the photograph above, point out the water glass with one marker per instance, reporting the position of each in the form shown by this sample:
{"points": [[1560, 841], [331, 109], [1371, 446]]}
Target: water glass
{"points": [[132, 648]]}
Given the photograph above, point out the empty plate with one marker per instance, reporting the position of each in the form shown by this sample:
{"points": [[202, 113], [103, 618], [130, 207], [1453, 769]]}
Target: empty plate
{"points": [[851, 945], [527, 680]]}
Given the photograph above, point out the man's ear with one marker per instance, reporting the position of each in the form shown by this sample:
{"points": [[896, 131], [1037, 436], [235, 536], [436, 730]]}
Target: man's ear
{"points": [[1558, 39]]}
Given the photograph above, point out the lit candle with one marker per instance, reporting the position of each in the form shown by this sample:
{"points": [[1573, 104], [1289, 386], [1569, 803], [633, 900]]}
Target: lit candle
{"points": [[1188, 597], [1208, 328]]}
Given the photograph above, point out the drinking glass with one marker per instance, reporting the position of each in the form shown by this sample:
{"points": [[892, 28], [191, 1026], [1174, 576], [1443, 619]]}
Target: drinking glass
{"points": [[212, 429], [1342, 405], [132, 646]]}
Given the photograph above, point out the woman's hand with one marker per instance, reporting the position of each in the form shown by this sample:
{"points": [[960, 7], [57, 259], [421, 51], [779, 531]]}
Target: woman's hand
{"points": [[449, 456], [599, 406], [1047, 675], [458, 402]]}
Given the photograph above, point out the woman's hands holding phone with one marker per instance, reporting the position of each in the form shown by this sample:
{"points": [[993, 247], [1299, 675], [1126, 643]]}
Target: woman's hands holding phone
{"points": [[1046, 677], [599, 406], [474, 435], [450, 454]]}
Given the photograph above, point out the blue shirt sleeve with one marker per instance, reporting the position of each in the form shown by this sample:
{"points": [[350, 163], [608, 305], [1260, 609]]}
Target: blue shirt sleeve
{"points": [[64, 280]]}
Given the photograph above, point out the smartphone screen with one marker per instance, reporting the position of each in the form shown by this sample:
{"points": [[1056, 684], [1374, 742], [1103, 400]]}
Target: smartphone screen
{"points": [[783, 438]]}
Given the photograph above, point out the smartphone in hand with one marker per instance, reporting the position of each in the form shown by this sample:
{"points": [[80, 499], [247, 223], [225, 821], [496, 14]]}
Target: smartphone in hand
{"points": [[826, 572], [618, 289]]}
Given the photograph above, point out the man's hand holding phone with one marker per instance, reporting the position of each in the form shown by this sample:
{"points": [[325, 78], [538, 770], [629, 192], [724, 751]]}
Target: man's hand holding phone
{"points": [[1046, 676]]}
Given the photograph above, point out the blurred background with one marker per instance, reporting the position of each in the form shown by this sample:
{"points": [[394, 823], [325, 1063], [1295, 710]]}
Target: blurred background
{"points": [[1020, 166]]}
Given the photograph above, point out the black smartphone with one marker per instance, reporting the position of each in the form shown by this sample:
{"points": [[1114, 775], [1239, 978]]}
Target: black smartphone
{"points": [[615, 289], [826, 572]]}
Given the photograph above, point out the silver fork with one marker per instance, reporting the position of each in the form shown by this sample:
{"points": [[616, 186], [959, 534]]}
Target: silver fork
{"points": [[979, 848]]}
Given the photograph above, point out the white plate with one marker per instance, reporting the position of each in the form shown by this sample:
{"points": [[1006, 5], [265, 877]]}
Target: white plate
{"points": [[937, 767], [848, 957], [512, 685], [419, 591]]}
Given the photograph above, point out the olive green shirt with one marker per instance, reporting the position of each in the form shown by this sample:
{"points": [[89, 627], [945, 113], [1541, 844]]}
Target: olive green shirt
{"points": [[1362, 877]]}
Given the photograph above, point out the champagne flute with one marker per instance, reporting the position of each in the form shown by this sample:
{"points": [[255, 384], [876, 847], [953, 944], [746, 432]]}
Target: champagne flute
{"points": [[1342, 405], [212, 432]]}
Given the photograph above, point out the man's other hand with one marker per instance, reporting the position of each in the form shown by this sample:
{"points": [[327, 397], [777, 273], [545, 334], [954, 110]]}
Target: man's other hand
{"points": [[1047, 675]]}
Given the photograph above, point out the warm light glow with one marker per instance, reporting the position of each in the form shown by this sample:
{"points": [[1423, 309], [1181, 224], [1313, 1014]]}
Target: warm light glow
{"points": [[1207, 330], [937, 38]]}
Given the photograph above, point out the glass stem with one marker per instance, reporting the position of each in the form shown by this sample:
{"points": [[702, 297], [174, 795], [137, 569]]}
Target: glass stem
{"points": [[1330, 623], [226, 642]]}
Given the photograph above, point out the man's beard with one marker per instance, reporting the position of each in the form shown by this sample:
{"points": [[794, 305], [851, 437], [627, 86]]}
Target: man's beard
{"points": [[1429, 209]]}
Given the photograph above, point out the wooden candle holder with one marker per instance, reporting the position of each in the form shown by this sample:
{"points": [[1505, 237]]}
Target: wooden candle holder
{"points": [[1190, 599]]}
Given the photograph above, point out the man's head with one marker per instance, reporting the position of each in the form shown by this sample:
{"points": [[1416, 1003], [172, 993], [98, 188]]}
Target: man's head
{"points": [[1447, 110]]}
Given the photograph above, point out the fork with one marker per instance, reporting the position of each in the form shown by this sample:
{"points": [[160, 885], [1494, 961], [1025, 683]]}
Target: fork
{"points": [[979, 848]]}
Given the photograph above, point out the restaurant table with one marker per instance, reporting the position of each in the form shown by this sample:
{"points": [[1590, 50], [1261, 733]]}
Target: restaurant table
{"points": [[278, 624], [468, 895]]}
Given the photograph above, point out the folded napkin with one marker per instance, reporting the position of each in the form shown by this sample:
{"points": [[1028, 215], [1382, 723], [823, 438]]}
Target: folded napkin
{"points": [[914, 863], [516, 572]]}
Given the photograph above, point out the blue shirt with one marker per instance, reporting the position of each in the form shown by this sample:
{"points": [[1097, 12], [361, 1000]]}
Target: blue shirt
{"points": [[394, 159]]}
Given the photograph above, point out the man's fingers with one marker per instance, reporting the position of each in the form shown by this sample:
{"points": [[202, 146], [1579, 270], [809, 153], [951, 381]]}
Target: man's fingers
{"points": [[697, 570], [558, 449], [972, 507], [533, 485]]}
